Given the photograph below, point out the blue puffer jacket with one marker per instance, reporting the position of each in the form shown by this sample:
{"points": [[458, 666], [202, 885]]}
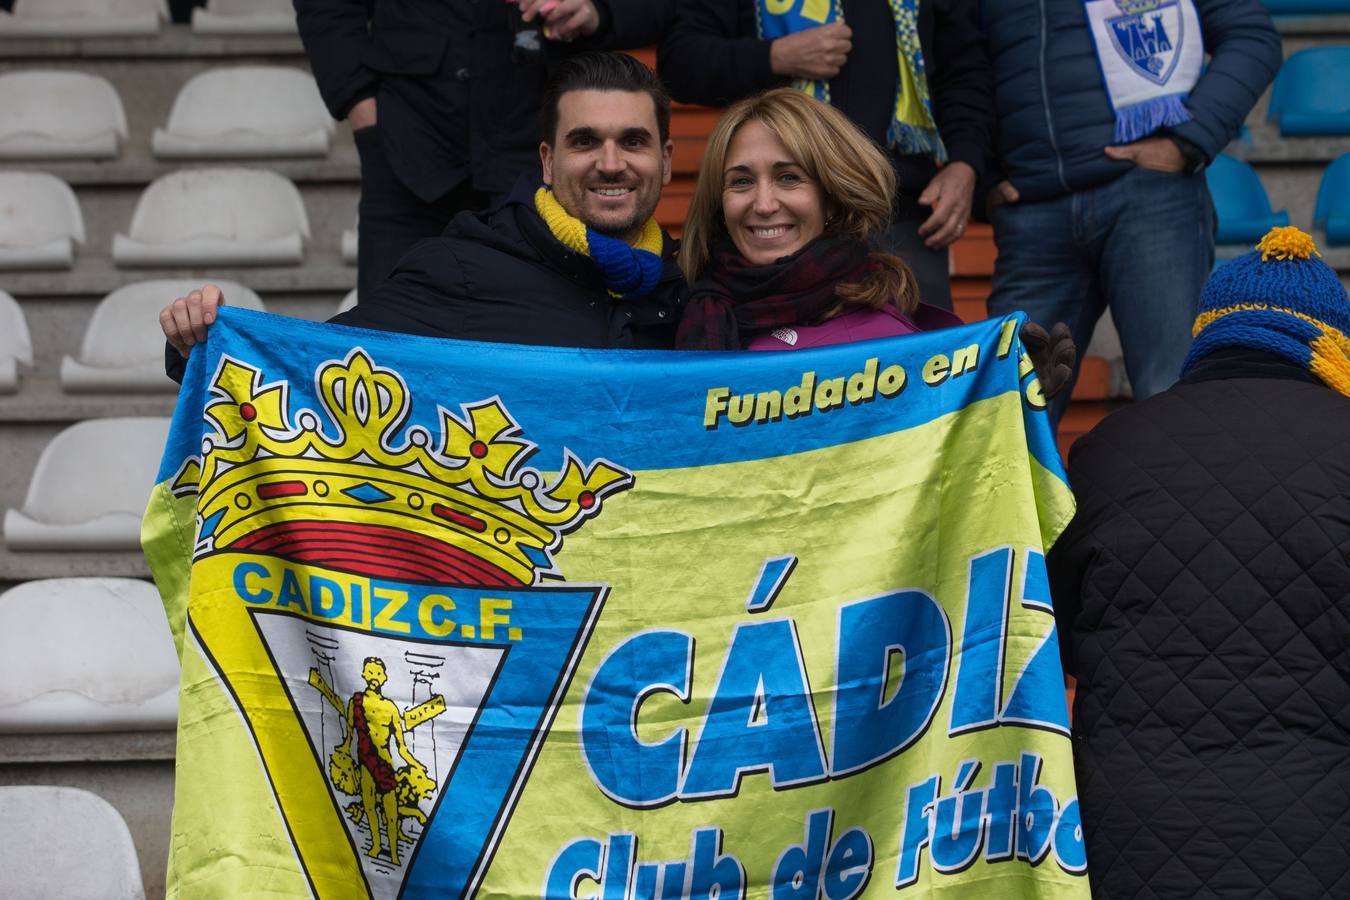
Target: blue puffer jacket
{"points": [[1054, 117]]}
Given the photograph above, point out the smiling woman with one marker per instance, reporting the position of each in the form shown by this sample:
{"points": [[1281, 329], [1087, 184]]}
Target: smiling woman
{"points": [[776, 244]]}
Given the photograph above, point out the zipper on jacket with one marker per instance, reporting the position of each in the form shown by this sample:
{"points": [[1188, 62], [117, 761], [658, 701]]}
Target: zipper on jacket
{"points": [[1045, 100]]}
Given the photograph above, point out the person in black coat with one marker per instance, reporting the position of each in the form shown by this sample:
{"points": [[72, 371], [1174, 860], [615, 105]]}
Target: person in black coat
{"points": [[713, 55], [578, 263], [1202, 593], [443, 97]]}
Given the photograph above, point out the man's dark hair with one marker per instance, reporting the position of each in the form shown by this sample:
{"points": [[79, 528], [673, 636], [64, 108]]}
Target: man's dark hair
{"points": [[596, 71]]}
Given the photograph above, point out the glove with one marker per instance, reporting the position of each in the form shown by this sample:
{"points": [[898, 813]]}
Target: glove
{"points": [[1052, 354]]}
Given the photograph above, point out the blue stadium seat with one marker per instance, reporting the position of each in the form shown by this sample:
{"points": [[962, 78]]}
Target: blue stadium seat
{"points": [[1241, 202], [1309, 96], [1306, 7], [1333, 202]]}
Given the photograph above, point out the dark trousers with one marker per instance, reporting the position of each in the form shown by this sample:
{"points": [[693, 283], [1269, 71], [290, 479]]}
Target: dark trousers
{"points": [[932, 269], [1141, 245], [393, 218]]}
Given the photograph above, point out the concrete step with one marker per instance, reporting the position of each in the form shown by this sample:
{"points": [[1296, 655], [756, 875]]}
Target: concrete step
{"points": [[173, 41], [1300, 32], [30, 565], [147, 87], [131, 770], [107, 210], [57, 326]]}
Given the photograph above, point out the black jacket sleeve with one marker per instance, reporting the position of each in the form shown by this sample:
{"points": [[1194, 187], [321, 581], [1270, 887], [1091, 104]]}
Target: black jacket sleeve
{"points": [[335, 34], [1071, 558], [423, 295], [1245, 54], [961, 84], [712, 55], [628, 24], [174, 365]]}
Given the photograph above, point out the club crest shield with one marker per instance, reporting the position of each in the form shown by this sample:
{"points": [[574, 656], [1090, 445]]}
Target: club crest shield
{"points": [[391, 625], [1148, 35]]}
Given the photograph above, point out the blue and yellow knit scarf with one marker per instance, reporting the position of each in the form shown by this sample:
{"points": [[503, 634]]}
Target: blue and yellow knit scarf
{"points": [[628, 271], [912, 129]]}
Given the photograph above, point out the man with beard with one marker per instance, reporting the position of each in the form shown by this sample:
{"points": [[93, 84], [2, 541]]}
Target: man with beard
{"points": [[574, 261]]}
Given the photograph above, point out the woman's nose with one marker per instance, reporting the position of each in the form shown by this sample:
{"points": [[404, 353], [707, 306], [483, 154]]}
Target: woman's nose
{"points": [[766, 198]]}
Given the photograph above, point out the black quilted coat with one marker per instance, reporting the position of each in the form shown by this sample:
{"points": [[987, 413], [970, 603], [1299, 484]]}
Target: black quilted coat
{"points": [[1203, 599]]}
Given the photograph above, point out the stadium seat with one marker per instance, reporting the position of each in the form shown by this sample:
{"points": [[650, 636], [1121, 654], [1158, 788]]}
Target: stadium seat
{"points": [[59, 115], [1307, 7], [16, 347], [1332, 213], [68, 843], [244, 17], [90, 487], [40, 221], [83, 18], [348, 302], [350, 245], [1309, 96], [123, 348], [244, 112], [1240, 201], [256, 218], [86, 654]]}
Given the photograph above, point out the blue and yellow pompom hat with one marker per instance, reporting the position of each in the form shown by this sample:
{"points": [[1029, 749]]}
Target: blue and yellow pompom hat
{"points": [[1281, 298]]}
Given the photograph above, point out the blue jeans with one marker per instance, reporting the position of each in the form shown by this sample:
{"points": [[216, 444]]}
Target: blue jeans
{"points": [[1142, 245]]}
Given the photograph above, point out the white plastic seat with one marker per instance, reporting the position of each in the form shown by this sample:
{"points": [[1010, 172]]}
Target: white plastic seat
{"points": [[205, 217], [247, 111], [90, 487], [123, 347], [244, 17], [40, 221], [86, 654], [350, 244], [16, 347], [83, 18], [348, 302], [59, 115], [68, 843]]}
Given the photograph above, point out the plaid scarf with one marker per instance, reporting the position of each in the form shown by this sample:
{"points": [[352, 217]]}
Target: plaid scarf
{"points": [[735, 300]]}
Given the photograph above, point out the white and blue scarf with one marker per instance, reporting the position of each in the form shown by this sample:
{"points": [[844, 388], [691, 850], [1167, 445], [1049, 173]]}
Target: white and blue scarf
{"points": [[1151, 53], [912, 129]]}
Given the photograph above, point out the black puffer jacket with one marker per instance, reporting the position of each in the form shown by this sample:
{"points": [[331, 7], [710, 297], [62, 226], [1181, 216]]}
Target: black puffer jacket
{"points": [[1054, 116], [501, 276], [1203, 599]]}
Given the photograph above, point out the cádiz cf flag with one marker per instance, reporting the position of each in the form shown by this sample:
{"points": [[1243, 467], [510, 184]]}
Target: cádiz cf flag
{"points": [[465, 619]]}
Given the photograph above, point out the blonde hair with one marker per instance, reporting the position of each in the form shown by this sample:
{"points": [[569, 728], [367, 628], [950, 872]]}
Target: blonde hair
{"points": [[855, 178]]}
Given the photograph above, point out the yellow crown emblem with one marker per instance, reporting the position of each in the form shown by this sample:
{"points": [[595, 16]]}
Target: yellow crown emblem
{"points": [[362, 493]]}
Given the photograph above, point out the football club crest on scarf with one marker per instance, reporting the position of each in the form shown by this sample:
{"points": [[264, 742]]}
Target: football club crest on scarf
{"points": [[462, 620], [1150, 53]]}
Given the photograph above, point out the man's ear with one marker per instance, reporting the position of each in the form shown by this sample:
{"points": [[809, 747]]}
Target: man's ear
{"points": [[667, 155], [546, 161]]}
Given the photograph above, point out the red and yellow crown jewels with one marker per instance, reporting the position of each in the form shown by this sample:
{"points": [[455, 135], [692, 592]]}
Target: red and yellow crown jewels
{"points": [[368, 496]]}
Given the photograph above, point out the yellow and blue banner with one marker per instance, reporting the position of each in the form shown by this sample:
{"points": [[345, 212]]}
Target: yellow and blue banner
{"points": [[463, 619]]}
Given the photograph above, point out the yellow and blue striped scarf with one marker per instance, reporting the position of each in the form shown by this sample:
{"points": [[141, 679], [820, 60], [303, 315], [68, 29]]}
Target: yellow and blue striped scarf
{"points": [[912, 130], [628, 271]]}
